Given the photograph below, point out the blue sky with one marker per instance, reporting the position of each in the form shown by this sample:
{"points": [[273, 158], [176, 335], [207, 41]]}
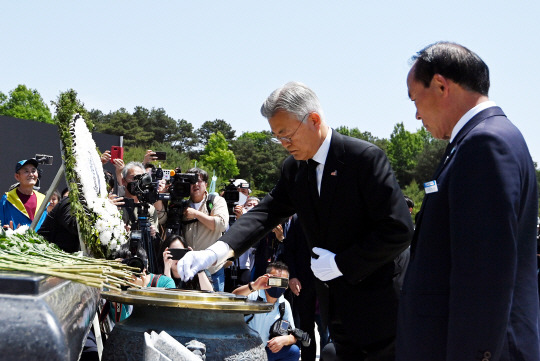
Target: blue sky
{"points": [[202, 60]]}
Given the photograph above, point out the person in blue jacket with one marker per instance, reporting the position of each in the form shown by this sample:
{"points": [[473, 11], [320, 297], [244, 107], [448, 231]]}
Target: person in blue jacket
{"points": [[18, 206]]}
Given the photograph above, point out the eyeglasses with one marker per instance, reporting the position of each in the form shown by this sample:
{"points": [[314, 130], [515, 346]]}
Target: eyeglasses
{"points": [[288, 140]]}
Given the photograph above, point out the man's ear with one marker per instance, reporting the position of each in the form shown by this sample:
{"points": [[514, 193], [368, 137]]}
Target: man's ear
{"points": [[315, 119], [17, 177], [440, 84]]}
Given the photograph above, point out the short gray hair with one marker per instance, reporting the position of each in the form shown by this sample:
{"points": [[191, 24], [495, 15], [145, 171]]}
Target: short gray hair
{"points": [[294, 98], [130, 166]]}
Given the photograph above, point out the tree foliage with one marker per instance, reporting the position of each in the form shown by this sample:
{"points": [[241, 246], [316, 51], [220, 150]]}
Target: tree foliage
{"points": [[367, 136], [217, 156], [259, 159], [212, 127], [25, 103], [403, 149]]}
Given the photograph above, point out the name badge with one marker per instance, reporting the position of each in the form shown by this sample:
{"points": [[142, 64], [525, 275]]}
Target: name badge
{"points": [[431, 187]]}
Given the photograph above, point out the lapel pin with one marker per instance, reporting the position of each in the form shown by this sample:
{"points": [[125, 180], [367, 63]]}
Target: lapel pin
{"points": [[334, 173]]}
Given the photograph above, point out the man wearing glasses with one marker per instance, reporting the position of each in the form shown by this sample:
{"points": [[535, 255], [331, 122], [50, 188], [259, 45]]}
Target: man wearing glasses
{"points": [[353, 214], [18, 206]]}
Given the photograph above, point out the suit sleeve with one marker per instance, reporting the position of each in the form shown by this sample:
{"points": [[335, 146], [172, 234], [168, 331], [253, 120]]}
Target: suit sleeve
{"points": [[484, 207], [388, 216], [274, 209]]}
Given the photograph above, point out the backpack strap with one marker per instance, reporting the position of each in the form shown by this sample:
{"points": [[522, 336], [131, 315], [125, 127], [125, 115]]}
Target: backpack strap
{"points": [[155, 279], [281, 310], [210, 202]]}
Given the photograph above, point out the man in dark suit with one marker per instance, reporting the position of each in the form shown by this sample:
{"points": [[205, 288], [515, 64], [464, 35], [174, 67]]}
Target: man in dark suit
{"points": [[470, 291], [353, 215]]}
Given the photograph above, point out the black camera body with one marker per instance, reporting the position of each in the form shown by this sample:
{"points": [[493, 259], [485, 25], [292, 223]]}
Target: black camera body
{"points": [[283, 328], [180, 185], [231, 196]]}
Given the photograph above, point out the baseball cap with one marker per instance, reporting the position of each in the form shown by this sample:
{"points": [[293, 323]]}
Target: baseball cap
{"points": [[24, 162]]}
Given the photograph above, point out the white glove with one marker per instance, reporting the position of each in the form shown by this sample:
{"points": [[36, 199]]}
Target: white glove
{"points": [[325, 267], [195, 261]]}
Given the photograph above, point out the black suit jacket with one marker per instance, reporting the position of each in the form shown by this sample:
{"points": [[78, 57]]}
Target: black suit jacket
{"points": [[470, 291], [361, 216]]}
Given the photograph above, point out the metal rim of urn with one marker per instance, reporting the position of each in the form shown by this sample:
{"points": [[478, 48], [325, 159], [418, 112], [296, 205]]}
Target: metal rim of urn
{"points": [[201, 300]]}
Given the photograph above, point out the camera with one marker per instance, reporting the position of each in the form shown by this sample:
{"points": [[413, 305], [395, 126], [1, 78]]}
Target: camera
{"points": [[283, 328], [134, 244], [280, 282], [144, 186], [44, 159], [180, 184], [232, 196]]}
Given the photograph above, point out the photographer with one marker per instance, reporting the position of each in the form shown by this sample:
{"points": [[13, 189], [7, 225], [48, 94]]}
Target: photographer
{"points": [[129, 173], [204, 223], [279, 345]]}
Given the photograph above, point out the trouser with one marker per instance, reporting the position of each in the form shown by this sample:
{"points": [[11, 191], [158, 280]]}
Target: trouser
{"points": [[380, 351], [218, 280], [287, 353], [304, 306]]}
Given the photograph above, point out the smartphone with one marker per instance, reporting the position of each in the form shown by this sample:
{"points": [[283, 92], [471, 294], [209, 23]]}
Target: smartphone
{"points": [[281, 282], [117, 153], [161, 155], [178, 253]]}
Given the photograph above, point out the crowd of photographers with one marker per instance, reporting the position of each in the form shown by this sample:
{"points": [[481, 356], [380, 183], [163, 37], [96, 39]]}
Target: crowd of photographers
{"points": [[166, 214]]}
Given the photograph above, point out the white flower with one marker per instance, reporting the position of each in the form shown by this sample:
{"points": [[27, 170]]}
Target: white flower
{"points": [[93, 188]]}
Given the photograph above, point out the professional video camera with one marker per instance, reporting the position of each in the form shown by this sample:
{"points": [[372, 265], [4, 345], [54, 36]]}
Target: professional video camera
{"points": [[232, 196], [283, 328], [179, 188], [145, 188], [134, 243]]}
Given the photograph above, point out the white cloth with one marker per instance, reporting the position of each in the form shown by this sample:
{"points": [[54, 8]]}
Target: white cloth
{"points": [[469, 115], [325, 267]]}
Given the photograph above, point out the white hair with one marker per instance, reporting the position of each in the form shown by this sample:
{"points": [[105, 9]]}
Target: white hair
{"points": [[294, 98]]}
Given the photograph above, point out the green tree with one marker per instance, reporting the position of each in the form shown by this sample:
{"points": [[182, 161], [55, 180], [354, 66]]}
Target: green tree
{"points": [[367, 136], [217, 156], [185, 139], [25, 103], [121, 122], [403, 149], [175, 159], [428, 159], [259, 159], [212, 127]]}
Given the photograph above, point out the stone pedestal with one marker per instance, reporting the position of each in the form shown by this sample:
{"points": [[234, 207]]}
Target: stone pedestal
{"points": [[44, 318], [215, 319]]}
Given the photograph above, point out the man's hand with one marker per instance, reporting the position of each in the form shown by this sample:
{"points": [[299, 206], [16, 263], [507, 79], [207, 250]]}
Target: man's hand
{"points": [[195, 261], [295, 286], [115, 200], [325, 267], [238, 211], [191, 213], [105, 157], [277, 343], [278, 231], [149, 156]]}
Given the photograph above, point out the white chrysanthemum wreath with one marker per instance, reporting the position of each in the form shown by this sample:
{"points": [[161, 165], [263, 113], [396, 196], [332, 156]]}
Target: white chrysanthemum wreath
{"points": [[100, 222]]}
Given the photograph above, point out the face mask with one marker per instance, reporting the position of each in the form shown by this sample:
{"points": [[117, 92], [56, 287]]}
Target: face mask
{"points": [[275, 292]]}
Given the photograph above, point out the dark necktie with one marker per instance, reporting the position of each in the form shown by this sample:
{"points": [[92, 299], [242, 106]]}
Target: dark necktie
{"points": [[312, 177]]}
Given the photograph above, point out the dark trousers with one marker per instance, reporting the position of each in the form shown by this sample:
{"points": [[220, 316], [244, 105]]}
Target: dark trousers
{"points": [[304, 307], [381, 351]]}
